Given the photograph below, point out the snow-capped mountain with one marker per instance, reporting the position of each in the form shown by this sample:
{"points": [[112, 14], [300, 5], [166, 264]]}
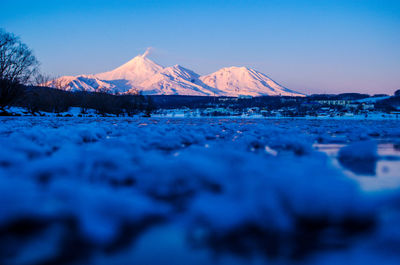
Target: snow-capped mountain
{"points": [[176, 80], [144, 75], [136, 70], [234, 81], [81, 83]]}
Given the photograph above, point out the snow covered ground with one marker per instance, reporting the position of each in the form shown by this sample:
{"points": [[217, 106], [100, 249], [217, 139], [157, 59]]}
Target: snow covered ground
{"points": [[202, 113], [197, 191]]}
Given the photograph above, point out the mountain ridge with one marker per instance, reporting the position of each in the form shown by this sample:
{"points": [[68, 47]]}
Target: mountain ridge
{"points": [[144, 75]]}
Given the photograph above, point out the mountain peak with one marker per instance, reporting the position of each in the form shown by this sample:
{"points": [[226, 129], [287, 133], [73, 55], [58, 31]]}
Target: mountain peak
{"points": [[236, 81], [137, 69], [235, 68]]}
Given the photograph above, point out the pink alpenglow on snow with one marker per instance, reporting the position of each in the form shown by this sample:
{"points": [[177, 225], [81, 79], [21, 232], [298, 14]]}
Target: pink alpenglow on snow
{"points": [[236, 81], [144, 75]]}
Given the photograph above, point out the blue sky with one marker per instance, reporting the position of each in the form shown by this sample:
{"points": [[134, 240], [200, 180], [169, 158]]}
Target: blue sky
{"points": [[325, 46]]}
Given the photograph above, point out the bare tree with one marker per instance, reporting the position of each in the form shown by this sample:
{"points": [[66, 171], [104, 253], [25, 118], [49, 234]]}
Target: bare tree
{"points": [[17, 62], [17, 67], [41, 80]]}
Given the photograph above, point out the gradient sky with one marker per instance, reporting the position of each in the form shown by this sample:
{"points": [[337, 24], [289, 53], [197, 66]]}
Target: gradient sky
{"points": [[325, 46]]}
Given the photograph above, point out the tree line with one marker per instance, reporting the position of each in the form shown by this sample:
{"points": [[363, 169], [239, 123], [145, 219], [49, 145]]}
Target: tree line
{"points": [[36, 99]]}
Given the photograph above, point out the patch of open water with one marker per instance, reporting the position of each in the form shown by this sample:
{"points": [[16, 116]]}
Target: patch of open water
{"points": [[386, 169]]}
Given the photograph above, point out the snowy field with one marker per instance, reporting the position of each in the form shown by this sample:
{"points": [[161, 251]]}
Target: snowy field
{"points": [[199, 191]]}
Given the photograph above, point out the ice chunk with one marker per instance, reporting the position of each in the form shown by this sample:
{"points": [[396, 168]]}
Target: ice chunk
{"points": [[360, 157]]}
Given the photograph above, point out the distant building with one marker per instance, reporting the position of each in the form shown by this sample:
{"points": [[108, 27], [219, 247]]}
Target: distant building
{"points": [[227, 99], [366, 106], [245, 96], [334, 102], [352, 105]]}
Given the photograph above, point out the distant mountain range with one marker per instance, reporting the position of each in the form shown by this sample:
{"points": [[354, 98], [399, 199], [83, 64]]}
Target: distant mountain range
{"points": [[143, 75]]}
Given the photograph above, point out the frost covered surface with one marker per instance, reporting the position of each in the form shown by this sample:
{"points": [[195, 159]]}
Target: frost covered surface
{"points": [[210, 191]]}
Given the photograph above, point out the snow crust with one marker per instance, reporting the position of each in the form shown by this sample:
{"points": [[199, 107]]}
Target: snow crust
{"points": [[213, 191]]}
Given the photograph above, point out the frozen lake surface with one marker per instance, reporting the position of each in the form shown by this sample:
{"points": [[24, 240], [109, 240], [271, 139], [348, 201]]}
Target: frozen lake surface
{"points": [[199, 191]]}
